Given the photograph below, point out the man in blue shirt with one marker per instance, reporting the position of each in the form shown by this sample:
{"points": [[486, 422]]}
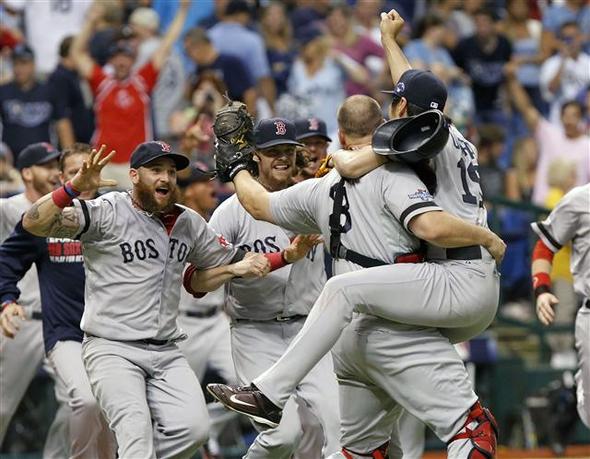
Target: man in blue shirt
{"points": [[60, 269]]}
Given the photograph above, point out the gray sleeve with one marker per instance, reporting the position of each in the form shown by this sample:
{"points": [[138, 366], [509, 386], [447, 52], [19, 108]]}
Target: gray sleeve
{"points": [[96, 217], [562, 223], [294, 207], [406, 196], [211, 249]]}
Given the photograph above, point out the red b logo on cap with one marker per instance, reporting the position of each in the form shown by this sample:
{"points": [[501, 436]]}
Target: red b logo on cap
{"points": [[165, 147], [281, 128], [314, 124]]}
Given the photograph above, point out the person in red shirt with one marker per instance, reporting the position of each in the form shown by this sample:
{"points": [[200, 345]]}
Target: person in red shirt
{"points": [[122, 98]]}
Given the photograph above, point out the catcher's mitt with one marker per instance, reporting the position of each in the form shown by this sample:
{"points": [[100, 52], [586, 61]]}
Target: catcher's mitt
{"points": [[325, 167], [234, 146]]}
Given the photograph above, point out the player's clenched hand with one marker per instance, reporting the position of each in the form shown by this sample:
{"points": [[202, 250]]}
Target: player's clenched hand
{"points": [[300, 246], [9, 319], [88, 177], [391, 24], [497, 248], [252, 265], [545, 303]]}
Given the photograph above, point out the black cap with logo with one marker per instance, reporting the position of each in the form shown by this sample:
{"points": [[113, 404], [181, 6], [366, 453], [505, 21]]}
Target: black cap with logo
{"points": [[275, 131], [36, 154], [311, 127], [198, 173], [22, 52], [149, 151], [422, 89]]}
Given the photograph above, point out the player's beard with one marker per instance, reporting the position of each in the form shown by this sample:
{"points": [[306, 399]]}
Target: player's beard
{"points": [[145, 198]]}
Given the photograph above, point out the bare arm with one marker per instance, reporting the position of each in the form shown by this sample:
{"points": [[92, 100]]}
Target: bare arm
{"points": [[391, 25], [446, 230], [268, 90], [45, 218], [174, 29], [520, 98], [253, 196], [356, 163], [79, 50], [353, 70]]}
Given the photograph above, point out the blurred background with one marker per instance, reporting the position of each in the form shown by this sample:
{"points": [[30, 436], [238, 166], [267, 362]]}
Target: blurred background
{"points": [[299, 59]]}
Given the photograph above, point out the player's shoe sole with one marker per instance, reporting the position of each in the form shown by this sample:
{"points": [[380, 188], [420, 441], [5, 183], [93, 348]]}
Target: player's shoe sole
{"points": [[247, 400]]}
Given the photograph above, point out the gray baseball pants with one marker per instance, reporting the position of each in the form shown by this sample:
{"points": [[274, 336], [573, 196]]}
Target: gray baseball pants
{"points": [[150, 397]]}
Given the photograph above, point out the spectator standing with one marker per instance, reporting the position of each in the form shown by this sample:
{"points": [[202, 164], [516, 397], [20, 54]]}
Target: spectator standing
{"points": [[359, 48], [308, 13], [482, 56], [524, 170], [232, 36], [216, 15], [227, 67], [169, 90], [524, 34], [490, 147], [73, 95], [317, 79], [28, 108], [124, 95], [47, 23], [558, 14], [277, 34], [565, 74], [366, 18], [567, 141]]}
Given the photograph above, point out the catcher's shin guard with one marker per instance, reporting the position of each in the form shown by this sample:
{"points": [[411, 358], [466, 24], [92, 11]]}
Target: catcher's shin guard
{"points": [[479, 435], [379, 453]]}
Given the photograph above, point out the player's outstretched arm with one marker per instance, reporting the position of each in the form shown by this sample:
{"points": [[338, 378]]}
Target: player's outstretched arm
{"points": [[51, 216], [172, 33], [198, 281], [391, 25], [356, 163], [253, 196], [446, 230]]}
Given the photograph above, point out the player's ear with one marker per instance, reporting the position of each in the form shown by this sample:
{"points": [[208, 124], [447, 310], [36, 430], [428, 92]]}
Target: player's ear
{"points": [[134, 176], [255, 158], [341, 139]]}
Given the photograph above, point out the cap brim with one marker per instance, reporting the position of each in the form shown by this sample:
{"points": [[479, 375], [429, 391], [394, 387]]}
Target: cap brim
{"points": [[307, 135], [382, 136], [181, 162], [275, 142], [204, 176], [50, 157]]}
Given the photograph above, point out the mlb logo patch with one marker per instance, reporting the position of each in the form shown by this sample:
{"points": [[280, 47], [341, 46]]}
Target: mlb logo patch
{"points": [[433, 104], [421, 194], [164, 146]]}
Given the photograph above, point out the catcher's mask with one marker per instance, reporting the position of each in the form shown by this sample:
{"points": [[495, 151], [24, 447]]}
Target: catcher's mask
{"points": [[412, 139]]}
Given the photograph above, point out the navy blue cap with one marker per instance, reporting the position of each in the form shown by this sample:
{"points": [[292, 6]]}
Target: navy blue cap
{"points": [[121, 47], [35, 154], [309, 33], [198, 172], [311, 127], [421, 88], [275, 131], [22, 51], [149, 151]]}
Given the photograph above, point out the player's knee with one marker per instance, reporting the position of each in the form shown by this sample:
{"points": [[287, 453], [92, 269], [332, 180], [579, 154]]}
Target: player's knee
{"points": [[282, 438], [478, 437], [85, 404]]}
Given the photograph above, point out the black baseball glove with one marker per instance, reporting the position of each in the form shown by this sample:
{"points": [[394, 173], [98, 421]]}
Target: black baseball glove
{"points": [[234, 146]]}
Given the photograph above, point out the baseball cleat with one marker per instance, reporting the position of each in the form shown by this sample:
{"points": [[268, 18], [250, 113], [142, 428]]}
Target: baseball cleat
{"points": [[247, 400]]}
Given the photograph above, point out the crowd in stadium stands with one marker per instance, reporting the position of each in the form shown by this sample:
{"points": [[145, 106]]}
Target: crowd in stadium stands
{"points": [[518, 74]]}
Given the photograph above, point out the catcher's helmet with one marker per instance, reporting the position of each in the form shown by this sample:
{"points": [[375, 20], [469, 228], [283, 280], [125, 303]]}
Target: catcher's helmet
{"points": [[412, 139]]}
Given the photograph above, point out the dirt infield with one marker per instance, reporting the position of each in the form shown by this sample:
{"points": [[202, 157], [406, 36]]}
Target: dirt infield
{"points": [[572, 452]]}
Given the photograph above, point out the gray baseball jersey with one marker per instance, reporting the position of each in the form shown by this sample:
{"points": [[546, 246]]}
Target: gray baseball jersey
{"points": [[570, 221], [376, 227], [134, 267], [255, 299]]}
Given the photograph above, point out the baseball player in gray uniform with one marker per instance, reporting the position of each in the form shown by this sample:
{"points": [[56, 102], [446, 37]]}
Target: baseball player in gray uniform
{"points": [[208, 343], [380, 228], [21, 357], [267, 313], [135, 245], [568, 222]]}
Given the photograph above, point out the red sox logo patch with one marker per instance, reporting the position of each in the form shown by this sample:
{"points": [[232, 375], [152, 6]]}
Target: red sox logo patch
{"points": [[164, 146], [314, 124], [281, 128], [222, 241]]}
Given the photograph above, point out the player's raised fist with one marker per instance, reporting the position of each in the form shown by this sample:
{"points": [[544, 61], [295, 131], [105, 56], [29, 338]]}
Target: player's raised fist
{"points": [[88, 177], [391, 24]]}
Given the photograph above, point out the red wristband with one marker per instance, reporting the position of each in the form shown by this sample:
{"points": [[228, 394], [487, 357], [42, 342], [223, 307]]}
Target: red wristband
{"points": [[61, 198], [276, 260], [541, 283], [186, 281]]}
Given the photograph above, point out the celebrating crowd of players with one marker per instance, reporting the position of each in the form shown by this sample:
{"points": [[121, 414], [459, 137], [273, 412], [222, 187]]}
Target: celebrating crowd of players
{"points": [[97, 282]]}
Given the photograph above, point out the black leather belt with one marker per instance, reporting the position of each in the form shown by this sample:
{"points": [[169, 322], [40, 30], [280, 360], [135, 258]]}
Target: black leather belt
{"points": [[155, 342], [472, 252], [202, 314], [36, 315]]}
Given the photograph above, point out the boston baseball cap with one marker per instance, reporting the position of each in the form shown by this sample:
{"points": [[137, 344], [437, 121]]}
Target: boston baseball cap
{"points": [[275, 131], [421, 88], [22, 52], [149, 151], [121, 48], [311, 127], [198, 173], [36, 154]]}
